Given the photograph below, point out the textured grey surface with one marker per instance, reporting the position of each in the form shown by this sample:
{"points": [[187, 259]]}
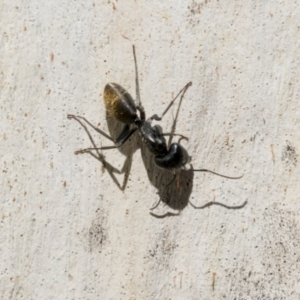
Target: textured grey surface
{"points": [[69, 232]]}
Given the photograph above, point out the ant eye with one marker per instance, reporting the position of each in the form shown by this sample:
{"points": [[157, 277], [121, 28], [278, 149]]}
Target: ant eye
{"points": [[137, 121]]}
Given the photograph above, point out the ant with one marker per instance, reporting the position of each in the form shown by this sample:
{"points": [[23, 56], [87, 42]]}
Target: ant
{"points": [[121, 107]]}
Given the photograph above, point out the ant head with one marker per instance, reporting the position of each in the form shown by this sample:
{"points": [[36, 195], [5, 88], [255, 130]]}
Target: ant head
{"points": [[137, 121]]}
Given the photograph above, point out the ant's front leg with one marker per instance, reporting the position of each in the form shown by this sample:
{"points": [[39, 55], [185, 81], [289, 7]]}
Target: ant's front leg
{"points": [[159, 118], [182, 137]]}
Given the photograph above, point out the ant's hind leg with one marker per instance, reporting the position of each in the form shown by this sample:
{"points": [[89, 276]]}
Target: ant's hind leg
{"points": [[121, 139], [111, 170], [100, 156], [77, 118], [118, 144], [158, 202]]}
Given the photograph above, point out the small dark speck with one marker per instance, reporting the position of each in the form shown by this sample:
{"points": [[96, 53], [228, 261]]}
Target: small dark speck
{"points": [[289, 154]]}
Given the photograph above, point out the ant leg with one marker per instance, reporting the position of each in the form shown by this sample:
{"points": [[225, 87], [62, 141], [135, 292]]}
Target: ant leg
{"points": [[121, 139], [94, 127], [111, 170], [157, 118], [215, 173], [117, 145], [182, 137], [183, 90], [175, 175], [100, 156], [176, 117]]}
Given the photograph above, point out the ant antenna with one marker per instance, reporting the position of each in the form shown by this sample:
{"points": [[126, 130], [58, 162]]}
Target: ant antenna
{"points": [[137, 86], [215, 173]]}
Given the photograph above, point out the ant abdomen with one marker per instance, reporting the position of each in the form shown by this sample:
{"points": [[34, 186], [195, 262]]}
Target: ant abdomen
{"points": [[119, 103]]}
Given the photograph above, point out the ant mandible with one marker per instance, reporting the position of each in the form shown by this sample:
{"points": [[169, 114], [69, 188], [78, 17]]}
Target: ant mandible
{"points": [[121, 106]]}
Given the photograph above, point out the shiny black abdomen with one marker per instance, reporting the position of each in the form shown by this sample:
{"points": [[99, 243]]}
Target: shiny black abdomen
{"points": [[119, 103]]}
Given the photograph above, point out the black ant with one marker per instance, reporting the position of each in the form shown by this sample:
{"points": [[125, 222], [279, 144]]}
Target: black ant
{"points": [[121, 107]]}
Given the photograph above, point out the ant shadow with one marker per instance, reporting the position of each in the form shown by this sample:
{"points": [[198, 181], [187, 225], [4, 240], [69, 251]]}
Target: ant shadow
{"points": [[174, 193], [127, 149]]}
